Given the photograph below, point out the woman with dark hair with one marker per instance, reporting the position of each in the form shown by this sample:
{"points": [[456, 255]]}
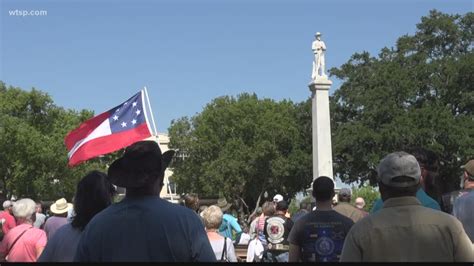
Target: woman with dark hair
{"points": [[93, 194]]}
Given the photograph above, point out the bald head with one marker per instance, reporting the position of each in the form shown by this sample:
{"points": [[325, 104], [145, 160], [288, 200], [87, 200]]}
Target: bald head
{"points": [[360, 203]]}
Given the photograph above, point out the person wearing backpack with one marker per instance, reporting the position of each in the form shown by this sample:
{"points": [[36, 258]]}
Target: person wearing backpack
{"points": [[230, 224], [277, 228], [268, 209]]}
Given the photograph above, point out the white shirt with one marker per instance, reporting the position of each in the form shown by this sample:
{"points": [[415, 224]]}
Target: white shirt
{"points": [[255, 249], [244, 239]]}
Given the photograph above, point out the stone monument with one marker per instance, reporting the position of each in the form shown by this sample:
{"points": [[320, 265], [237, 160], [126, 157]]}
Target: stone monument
{"points": [[319, 87]]}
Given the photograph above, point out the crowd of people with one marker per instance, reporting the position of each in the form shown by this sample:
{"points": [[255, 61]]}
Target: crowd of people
{"points": [[406, 224]]}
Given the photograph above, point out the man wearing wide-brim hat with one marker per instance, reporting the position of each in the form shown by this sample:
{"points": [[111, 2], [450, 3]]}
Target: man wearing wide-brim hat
{"points": [[223, 204], [59, 210], [230, 225], [143, 227]]}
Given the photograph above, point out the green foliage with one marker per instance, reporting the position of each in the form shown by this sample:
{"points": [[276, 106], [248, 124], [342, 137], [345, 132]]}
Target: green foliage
{"points": [[419, 93], [33, 157], [368, 193], [239, 148], [295, 205]]}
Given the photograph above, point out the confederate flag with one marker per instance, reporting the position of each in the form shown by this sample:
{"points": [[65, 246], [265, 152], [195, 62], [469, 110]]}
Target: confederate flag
{"points": [[117, 128]]}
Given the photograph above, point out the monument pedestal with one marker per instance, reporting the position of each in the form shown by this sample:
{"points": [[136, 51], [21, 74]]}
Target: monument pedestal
{"points": [[322, 151]]}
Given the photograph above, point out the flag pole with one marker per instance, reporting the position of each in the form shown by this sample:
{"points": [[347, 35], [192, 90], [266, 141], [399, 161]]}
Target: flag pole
{"points": [[151, 111]]}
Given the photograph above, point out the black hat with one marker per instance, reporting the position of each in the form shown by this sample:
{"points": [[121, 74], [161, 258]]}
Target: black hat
{"points": [[141, 164], [281, 206]]}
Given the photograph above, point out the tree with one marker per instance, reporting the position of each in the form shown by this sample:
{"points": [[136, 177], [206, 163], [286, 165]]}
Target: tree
{"points": [[241, 148], [295, 205], [369, 194], [419, 93], [33, 157]]}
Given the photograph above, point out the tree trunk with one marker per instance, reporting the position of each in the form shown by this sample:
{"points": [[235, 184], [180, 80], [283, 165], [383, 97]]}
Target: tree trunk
{"points": [[249, 220], [242, 212]]}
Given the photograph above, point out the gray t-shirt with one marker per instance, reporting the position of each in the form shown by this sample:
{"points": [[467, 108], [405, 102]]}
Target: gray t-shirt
{"points": [[464, 210], [52, 224], [320, 235], [145, 229], [62, 246], [218, 247]]}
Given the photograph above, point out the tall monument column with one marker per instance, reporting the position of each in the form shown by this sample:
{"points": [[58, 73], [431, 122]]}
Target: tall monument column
{"points": [[319, 86]]}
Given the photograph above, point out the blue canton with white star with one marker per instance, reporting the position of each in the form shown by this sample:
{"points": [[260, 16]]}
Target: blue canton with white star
{"points": [[127, 115]]}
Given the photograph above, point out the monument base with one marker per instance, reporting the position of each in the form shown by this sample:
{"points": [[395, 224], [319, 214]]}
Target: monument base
{"points": [[320, 83]]}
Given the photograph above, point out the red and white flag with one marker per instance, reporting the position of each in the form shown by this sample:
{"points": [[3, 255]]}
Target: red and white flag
{"points": [[110, 131]]}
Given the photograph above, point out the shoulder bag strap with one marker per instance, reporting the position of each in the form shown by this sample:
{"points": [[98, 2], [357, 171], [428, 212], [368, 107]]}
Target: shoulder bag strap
{"points": [[224, 250], [14, 242]]}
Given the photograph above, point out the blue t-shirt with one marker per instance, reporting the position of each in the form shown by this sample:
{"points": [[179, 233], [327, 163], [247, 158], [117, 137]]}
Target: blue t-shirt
{"points": [[421, 195], [144, 229], [229, 222]]}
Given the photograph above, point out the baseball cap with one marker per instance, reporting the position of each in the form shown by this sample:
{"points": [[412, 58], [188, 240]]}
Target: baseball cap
{"points": [[345, 192], [278, 198], [469, 168], [399, 164]]}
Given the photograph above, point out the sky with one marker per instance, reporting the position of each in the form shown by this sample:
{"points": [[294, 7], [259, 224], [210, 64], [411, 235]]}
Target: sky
{"points": [[96, 54]]}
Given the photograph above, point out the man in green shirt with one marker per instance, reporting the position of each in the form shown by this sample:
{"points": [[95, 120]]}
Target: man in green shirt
{"points": [[403, 230], [345, 207], [428, 162]]}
